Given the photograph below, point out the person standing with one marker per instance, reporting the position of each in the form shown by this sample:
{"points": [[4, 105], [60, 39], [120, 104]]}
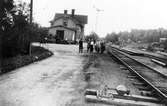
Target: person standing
{"points": [[97, 46], [91, 46], [88, 46], [102, 46], [80, 46]]}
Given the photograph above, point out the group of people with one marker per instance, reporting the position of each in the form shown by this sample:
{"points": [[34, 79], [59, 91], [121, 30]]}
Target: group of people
{"points": [[98, 46]]}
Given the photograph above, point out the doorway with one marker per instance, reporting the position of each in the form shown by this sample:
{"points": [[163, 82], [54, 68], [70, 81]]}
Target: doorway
{"points": [[60, 34]]}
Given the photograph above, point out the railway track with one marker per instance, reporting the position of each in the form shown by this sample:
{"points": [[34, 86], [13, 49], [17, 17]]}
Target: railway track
{"points": [[155, 81], [159, 58]]}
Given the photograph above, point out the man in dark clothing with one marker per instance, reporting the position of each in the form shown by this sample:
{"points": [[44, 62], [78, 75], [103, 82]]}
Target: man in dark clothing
{"points": [[88, 46], [97, 46], [102, 45], [91, 46], [80, 46]]}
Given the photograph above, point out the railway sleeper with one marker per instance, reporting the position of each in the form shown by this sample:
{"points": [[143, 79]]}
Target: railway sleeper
{"points": [[139, 83], [147, 93], [132, 76], [123, 68], [138, 68], [145, 88], [125, 100]]}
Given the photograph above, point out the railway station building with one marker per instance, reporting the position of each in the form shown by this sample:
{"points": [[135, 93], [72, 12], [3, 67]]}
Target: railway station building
{"points": [[67, 27]]}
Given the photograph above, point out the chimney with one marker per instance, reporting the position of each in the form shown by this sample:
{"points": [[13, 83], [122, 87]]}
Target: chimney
{"points": [[73, 12], [65, 11]]}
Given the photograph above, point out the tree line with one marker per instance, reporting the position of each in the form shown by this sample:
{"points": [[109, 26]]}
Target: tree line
{"points": [[16, 33], [136, 35]]}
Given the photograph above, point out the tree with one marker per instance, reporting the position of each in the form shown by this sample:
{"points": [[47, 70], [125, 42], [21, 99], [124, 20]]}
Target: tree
{"points": [[113, 37], [165, 45], [5, 14], [15, 30], [6, 21], [93, 36]]}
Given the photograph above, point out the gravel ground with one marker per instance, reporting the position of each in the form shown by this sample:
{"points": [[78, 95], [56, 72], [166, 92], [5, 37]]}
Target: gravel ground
{"points": [[104, 71], [107, 72], [62, 79], [55, 81]]}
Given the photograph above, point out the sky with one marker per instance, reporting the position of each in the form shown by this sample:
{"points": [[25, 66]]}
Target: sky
{"points": [[115, 15]]}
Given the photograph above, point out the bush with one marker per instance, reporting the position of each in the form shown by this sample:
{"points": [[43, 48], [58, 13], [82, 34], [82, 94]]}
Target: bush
{"points": [[38, 53], [150, 48], [165, 45]]}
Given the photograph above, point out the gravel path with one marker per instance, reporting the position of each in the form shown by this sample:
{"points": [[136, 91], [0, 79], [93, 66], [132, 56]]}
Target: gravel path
{"points": [[107, 72], [52, 82]]}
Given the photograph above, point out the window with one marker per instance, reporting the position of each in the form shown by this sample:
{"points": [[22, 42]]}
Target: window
{"points": [[65, 21]]}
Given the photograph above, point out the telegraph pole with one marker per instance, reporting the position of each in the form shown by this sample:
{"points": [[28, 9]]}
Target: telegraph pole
{"points": [[31, 15], [96, 21], [97, 10], [31, 11]]}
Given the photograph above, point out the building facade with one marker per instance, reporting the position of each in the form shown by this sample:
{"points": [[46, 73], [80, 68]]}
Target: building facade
{"points": [[68, 27]]}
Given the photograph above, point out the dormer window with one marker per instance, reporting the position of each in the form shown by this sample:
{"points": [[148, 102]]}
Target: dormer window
{"points": [[65, 22]]}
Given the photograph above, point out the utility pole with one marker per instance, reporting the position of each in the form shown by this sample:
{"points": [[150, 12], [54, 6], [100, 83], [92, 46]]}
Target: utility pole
{"points": [[31, 15], [96, 21], [97, 13], [31, 11]]}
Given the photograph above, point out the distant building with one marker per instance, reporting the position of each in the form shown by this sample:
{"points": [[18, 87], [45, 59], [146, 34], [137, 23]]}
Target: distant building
{"points": [[162, 39], [69, 27]]}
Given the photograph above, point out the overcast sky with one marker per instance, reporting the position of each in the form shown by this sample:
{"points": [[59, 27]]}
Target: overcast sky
{"points": [[117, 15]]}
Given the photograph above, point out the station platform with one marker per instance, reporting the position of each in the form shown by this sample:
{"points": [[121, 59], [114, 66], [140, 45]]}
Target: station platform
{"points": [[161, 56]]}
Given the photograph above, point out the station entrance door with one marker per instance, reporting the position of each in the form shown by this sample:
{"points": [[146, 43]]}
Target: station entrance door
{"points": [[60, 34]]}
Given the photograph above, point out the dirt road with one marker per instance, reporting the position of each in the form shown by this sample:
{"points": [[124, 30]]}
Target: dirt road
{"points": [[56, 81]]}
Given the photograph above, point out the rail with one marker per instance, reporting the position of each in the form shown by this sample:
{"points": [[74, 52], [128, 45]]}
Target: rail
{"points": [[154, 79]]}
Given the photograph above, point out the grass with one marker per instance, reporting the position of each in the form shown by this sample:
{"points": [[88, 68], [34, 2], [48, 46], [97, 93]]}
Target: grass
{"points": [[38, 53]]}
